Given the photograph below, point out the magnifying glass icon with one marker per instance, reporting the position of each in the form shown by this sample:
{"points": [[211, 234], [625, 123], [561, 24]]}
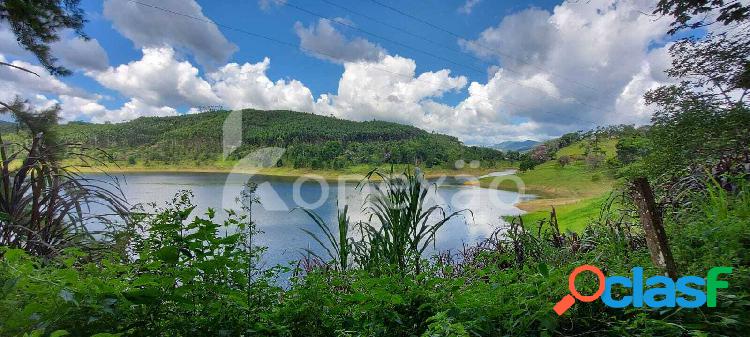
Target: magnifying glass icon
{"points": [[566, 302]]}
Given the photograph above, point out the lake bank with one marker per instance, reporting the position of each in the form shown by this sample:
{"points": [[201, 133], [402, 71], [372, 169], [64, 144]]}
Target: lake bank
{"points": [[355, 173]]}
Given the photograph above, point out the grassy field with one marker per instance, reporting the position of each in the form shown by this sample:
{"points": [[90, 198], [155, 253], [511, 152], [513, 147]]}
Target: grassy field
{"points": [[573, 217], [551, 181]]}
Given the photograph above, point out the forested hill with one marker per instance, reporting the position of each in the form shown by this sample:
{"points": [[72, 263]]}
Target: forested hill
{"points": [[7, 126], [311, 140]]}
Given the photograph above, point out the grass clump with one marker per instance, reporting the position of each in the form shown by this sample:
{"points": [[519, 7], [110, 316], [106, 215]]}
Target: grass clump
{"points": [[400, 229]]}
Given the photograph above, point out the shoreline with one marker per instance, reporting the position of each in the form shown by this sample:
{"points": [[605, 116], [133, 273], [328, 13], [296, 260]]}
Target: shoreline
{"points": [[542, 201], [328, 175]]}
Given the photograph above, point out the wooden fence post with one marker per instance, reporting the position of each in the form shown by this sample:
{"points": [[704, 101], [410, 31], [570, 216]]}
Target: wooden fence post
{"points": [[656, 237]]}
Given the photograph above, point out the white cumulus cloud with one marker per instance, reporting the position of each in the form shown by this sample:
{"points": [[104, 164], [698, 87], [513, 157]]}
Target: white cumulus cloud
{"points": [[388, 89], [159, 79], [44, 91], [8, 43], [266, 5], [575, 67], [76, 108], [248, 86], [71, 50], [77, 53], [17, 82], [323, 41], [150, 27]]}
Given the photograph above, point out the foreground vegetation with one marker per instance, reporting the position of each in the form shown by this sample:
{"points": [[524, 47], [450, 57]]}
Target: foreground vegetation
{"points": [[186, 279]]}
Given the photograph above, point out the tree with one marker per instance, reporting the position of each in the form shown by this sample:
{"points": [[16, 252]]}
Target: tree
{"points": [[594, 160], [713, 68], [513, 156], [714, 72], [692, 14], [44, 204], [701, 121], [37, 24], [568, 138], [631, 148], [527, 164], [540, 153], [564, 160]]}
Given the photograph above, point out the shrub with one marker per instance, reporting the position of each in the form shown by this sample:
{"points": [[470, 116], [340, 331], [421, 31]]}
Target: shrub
{"points": [[594, 160], [564, 160], [527, 164], [44, 204], [179, 275]]}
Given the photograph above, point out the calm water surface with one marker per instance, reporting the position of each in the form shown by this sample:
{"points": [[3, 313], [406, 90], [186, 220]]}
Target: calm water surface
{"points": [[280, 222]]}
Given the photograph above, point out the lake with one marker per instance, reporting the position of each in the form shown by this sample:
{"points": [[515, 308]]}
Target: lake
{"points": [[279, 196]]}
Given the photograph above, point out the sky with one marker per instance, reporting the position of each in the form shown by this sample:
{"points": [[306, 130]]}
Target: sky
{"points": [[485, 71]]}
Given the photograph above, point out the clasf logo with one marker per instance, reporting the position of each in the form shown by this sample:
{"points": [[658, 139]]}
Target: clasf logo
{"points": [[684, 292]]}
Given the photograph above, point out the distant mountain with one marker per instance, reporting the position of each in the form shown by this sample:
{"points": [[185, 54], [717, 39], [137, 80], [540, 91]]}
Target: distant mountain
{"points": [[520, 146]]}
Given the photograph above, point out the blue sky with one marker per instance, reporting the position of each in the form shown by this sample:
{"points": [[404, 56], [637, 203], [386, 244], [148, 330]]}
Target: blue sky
{"points": [[321, 76], [484, 71]]}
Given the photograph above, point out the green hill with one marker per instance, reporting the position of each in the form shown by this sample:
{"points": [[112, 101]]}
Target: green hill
{"points": [[576, 190], [576, 180], [312, 141]]}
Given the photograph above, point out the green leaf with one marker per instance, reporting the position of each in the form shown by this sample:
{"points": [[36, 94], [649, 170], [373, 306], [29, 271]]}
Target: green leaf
{"points": [[543, 269], [35, 333], [143, 296], [9, 285], [168, 254], [59, 333]]}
